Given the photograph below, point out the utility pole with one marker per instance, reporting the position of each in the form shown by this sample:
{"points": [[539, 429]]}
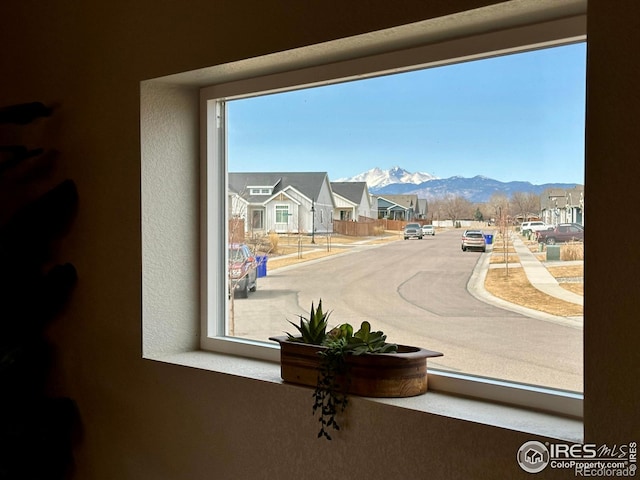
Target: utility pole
{"points": [[313, 222]]}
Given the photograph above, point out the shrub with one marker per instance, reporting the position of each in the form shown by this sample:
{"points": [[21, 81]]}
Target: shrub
{"points": [[274, 238], [572, 251]]}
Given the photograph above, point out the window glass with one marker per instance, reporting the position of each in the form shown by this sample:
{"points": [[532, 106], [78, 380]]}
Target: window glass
{"points": [[257, 217], [282, 213], [483, 144]]}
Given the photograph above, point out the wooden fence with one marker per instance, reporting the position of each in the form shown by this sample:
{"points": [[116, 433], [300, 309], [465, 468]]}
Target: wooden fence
{"points": [[368, 227], [364, 227]]}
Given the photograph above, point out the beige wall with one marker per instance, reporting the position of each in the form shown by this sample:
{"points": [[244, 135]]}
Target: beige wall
{"points": [[146, 420]]}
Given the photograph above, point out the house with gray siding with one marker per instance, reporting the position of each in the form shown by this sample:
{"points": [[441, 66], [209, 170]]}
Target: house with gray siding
{"points": [[398, 207], [352, 201], [282, 202], [560, 205]]}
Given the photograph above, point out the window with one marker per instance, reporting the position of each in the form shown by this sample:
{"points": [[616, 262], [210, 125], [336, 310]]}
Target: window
{"points": [[260, 191], [257, 219], [218, 99], [282, 215]]}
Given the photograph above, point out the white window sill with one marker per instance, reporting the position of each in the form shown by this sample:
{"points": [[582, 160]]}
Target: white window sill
{"points": [[537, 424]]}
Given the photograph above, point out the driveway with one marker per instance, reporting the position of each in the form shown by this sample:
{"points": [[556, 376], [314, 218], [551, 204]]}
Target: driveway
{"points": [[416, 292]]}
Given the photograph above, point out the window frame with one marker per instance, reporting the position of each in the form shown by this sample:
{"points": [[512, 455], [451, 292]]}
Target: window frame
{"points": [[279, 210], [257, 214], [431, 54]]}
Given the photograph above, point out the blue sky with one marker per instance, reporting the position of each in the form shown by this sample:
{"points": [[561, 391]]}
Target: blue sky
{"points": [[516, 117]]}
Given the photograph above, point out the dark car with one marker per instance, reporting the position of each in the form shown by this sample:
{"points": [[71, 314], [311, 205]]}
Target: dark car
{"points": [[473, 239], [243, 271], [412, 230], [564, 232]]}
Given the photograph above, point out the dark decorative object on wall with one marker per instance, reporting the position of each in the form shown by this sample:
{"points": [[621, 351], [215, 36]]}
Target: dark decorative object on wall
{"points": [[36, 431]]}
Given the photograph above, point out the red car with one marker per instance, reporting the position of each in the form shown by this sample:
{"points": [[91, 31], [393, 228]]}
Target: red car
{"points": [[564, 232], [243, 271]]}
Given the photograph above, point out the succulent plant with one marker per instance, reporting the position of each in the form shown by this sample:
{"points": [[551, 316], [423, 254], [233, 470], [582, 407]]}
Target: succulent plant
{"points": [[330, 397], [362, 341], [312, 330]]}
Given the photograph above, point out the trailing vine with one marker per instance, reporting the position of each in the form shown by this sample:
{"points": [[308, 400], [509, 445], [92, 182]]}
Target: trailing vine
{"points": [[330, 398]]}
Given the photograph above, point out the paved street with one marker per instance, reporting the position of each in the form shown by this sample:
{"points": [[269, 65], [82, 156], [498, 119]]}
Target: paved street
{"points": [[416, 292]]}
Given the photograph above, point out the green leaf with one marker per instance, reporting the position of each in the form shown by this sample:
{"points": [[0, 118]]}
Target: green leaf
{"points": [[313, 329]]}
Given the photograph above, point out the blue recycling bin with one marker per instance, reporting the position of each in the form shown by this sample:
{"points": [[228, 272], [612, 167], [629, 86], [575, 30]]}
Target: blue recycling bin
{"points": [[488, 238], [262, 265]]}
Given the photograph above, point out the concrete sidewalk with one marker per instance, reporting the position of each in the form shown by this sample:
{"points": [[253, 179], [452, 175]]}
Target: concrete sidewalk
{"points": [[539, 277]]}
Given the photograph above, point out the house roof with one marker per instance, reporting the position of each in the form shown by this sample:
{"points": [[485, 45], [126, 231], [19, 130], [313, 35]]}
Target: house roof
{"points": [[405, 201], [307, 183], [352, 191], [422, 206], [561, 197]]}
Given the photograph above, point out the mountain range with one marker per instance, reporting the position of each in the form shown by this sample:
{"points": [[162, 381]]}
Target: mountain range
{"points": [[377, 178], [478, 189]]}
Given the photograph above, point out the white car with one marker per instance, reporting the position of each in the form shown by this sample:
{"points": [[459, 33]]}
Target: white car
{"points": [[428, 230], [536, 226]]}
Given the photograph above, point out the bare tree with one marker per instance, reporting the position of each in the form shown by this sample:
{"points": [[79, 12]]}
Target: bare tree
{"points": [[235, 234], [240, 231], [435, 209], [499, 203], [525, 204], [456, 207]]}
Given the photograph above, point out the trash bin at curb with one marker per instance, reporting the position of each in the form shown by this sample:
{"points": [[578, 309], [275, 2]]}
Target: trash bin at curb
{"points": [[262, 265], [489, 239], [553, 252]]}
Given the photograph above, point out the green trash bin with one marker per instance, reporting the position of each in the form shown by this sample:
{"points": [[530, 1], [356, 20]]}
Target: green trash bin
{"points": [[553, 252]]}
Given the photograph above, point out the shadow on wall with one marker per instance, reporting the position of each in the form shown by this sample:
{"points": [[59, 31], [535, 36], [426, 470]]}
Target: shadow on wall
{"points": [[37, 431]]}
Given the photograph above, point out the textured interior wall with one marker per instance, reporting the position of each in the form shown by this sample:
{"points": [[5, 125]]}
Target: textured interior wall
{"points": [[145, 420], [170, 159], [611, 297]]}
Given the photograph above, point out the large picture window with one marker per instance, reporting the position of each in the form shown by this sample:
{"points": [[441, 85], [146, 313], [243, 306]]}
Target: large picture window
{"points": [[516, 117]]}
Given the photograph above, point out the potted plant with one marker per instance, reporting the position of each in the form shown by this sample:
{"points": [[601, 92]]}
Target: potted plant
{"points": [[341, 361]]}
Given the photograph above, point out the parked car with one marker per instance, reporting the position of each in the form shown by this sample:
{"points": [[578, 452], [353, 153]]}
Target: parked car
{"points": [[536, 226], [243, 270], [428, 230], [564, 232], [473, 239], [412, 230]]}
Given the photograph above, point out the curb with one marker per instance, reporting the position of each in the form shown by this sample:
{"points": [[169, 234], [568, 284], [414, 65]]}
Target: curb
{"points": [[475, 286]]}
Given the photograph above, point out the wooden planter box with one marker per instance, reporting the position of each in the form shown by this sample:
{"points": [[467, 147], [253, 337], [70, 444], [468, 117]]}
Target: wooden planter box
{"points": [[402, 374]]}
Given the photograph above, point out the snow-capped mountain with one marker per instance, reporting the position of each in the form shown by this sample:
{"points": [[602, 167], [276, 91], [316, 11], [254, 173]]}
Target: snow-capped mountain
{"points": [[476, 189], [377, 178]]}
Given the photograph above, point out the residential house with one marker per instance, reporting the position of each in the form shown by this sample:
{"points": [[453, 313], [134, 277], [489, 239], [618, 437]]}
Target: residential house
{"points": [[423, 208], [398, 207], [352, 201], [563, 205], [283, 202]]}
